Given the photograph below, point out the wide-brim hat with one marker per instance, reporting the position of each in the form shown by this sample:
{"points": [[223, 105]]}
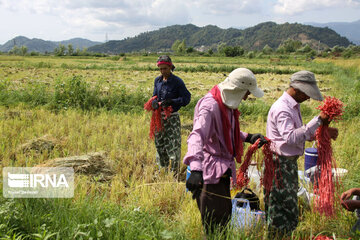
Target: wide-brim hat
{"points": [[242, 79], [305, 81]]}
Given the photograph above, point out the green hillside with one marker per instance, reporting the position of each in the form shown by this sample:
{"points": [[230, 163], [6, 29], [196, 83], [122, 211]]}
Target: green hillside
{"points": [[253, 38]]}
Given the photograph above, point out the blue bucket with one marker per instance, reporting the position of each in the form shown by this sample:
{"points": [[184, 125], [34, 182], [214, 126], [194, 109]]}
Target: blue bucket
{"points": [[188, 172], [311, 156]]}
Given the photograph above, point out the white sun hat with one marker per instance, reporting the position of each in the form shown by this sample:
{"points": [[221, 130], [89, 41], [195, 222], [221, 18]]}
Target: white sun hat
{"points": [[235, 86]]}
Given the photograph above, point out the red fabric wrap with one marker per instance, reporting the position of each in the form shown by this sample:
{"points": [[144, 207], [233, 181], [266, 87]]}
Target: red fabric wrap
{"points": [[167, 63], [227, 126]]}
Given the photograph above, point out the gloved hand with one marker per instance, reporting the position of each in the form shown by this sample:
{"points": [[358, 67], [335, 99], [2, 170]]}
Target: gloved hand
{"points": [[155, 104], [166, 103], [252, 138], [195, 183]]}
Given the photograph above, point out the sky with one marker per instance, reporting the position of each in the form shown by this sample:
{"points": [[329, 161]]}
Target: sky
{"points": [[101, 20]]}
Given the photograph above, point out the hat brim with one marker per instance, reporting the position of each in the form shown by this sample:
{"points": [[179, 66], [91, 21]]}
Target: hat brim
{"points": [[257, 92], [227, 85], [310, 89]]}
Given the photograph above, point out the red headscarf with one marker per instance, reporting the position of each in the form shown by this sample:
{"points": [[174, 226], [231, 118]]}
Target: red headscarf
{"points": [[227, 126]]}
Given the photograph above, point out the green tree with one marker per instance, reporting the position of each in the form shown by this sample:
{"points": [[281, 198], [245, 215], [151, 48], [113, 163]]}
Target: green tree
{"points": [[70, 50], [23, 50], [190, 50], [233, 51], [267, 49], [221, 47], [175, 45], [60, 50], [182, 47], [15, 50], [84, 52], [291, 45], [304, 49]]}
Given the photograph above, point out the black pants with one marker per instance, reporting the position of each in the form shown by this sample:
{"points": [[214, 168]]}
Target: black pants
{"points": [[215, 205]]}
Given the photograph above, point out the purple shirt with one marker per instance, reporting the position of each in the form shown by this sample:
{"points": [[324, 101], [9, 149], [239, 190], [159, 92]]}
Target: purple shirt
{"points": [[207, 151], [285, 127]]}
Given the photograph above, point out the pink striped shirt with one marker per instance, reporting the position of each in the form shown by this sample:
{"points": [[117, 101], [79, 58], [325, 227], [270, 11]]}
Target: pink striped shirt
{"points": [[207, 151], [285, 127]]}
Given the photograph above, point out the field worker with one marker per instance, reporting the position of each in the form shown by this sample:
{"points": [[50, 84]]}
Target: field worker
{"points": [[288, 134], [170, 91], [213, 144], [352, 204]]}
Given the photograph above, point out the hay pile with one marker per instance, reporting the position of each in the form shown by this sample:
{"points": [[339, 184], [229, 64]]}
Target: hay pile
{"points": [[41, 145], [93, 164]]}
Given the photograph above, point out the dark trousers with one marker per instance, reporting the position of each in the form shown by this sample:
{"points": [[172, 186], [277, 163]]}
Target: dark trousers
{"points": [[215, 206]]}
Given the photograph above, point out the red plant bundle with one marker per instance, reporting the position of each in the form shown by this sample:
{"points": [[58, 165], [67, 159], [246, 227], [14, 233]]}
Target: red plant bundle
{"points": [[242, 178], [156, 124], [269, 171], [332, 107], [324, 187]]}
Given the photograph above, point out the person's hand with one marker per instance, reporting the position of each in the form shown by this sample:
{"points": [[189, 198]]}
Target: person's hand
{"points": [[333, 132], [347, 194], [252, 138], [195, 183], [155, 104], [324, 118], [166, 103], [350, 205]]}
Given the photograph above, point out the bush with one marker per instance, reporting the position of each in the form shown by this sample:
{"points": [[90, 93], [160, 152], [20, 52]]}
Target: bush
{"points": [[75, 93]]}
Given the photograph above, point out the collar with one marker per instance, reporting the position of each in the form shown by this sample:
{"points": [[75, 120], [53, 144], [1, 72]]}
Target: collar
{"points": [[170, 77], [290, 100]]}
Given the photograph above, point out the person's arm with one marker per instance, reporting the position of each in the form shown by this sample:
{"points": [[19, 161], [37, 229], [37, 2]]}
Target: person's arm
{"points": [[349, 193], [348, 204], [198, 138], [184, 95], [351, 205], [293, 136], [154, 91]]}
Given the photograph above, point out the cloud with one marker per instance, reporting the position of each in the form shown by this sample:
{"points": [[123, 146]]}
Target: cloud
{"points": [[229, 7], [106, 15], [291, 7]]}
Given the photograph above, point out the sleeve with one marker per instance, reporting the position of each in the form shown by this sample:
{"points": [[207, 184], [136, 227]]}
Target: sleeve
{"points": [[155, 83], [292, 135], [198, 138], [184, 95]]}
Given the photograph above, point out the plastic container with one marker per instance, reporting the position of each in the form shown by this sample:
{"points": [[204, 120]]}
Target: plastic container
{"points": [[243, 217], [188, 172], [311, 156]]}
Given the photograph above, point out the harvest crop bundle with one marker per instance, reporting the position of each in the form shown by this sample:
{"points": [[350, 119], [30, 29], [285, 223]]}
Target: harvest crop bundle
{"points": [[324, 189], [156, 124], [242, 178]]}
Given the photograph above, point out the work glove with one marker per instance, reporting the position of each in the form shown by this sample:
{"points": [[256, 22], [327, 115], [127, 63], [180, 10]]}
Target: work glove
{"points": [[166, 103], [252, 138], [195, 183], [155, 104]]}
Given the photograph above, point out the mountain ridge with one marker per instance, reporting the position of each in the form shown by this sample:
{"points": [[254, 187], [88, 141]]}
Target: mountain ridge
{"points": [[252, 38], [43, 46], [350, 30], [209, 36]]}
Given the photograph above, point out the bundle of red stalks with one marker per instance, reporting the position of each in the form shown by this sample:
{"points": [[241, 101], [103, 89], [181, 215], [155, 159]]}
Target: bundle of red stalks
{"points": [[156, 124], [324, 187], [242, 178]]}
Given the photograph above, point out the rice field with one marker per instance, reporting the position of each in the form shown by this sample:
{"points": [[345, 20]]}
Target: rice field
{"points": [[90, 105]]}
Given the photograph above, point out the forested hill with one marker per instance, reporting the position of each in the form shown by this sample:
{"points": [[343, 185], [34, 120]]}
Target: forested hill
{"points": [[39, 45], [253, 38]]}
